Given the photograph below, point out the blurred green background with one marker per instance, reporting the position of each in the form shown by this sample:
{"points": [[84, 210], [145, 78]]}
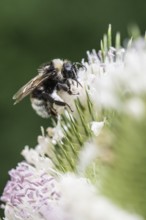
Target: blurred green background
{"points": [[35, 31]]}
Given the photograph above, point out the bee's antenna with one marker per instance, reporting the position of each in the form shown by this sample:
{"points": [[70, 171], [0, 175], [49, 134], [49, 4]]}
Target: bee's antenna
{"points": [[79, 65]]}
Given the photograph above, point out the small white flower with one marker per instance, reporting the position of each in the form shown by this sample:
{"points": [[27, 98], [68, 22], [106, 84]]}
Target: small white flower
{"points": [[44, 145], [96, 127], [98, 81], [122, 71], [32, 156], [57, 133]]}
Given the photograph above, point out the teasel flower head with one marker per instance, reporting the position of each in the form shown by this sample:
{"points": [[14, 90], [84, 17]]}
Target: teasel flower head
{"points": [[91, 159]]}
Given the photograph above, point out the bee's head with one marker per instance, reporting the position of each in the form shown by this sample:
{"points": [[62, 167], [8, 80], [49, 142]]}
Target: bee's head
{"points": [[70, 70]]}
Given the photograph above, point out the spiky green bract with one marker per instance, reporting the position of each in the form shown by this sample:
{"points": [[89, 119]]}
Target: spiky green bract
{"points": [[109, 36], [106, 43], [124, 180], [134, 31], [77, 131], [118, 41]]}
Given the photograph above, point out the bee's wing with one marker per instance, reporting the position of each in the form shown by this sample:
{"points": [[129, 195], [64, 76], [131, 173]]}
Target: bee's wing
{"points": [[29, 87]]}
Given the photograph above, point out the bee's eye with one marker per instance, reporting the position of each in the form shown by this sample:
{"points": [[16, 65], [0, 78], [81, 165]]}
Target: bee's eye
{"points": [[67, 71]]}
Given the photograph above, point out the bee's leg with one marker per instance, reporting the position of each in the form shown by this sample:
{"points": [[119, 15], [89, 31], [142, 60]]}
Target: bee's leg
{"points": [[66, 87], [62, 86], [60, 103], [52, 111], [55, 99]]}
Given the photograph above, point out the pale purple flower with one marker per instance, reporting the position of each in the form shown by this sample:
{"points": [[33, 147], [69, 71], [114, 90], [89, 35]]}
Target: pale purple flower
{"points": [[31, 194]]}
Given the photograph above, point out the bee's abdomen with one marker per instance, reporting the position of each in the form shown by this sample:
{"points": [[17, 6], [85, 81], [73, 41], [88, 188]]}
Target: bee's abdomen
{"points": [[40, 107]]}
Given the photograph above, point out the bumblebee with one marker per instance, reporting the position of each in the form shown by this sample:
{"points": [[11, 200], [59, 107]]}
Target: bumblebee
{"points": [[52, 77]]}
